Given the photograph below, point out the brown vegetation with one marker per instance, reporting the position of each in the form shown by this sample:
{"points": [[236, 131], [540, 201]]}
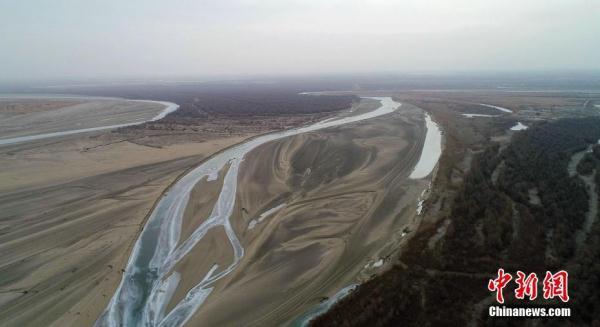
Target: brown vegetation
{"points": [[233, 111]]}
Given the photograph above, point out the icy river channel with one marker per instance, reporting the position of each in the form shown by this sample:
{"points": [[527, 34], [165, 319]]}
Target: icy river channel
{"points": [[149, 281]]}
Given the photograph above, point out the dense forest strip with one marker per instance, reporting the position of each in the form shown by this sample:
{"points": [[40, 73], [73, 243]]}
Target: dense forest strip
{"points": [[494, 225]]}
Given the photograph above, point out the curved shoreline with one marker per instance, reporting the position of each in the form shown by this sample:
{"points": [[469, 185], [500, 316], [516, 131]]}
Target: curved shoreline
{"points": [[169, 108], [431, 152], [306, 318]]}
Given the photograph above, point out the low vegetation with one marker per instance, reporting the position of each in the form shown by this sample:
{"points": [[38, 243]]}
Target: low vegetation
{"points": [[441, 277], [210, 111]]}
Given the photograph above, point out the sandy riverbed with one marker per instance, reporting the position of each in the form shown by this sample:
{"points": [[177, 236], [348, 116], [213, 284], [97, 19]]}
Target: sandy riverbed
{"points": [[347, 200], [70, 209]]}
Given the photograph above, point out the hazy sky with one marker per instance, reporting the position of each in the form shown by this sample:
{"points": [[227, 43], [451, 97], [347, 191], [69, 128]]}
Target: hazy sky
{"points": [[76, 38]]}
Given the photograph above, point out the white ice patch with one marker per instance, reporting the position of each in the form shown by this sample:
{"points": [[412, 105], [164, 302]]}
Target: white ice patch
{"points": [[479, 115], [323, 307], [519, 127], [420, 206], [264, 215], [422, 199], [432, 149], [376, 264], [170, 107], [496, 107], [252, 224]]}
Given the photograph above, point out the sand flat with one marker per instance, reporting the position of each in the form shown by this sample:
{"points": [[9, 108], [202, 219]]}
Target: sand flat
{"points": [[347, 198], [70, 210], [59, 115], [346, 193]]}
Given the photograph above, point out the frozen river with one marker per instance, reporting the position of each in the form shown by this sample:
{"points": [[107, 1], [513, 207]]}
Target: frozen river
{"points": [[488, 115], [169, 108], [497, 108], [150, 281], [432, 150]]}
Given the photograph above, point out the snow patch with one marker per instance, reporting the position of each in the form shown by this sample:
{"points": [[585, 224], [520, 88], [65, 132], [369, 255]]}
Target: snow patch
{"points": [[519, 127]]}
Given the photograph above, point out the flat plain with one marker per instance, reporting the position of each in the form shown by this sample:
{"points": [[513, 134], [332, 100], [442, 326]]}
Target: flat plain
{"points": [[71, 207]]}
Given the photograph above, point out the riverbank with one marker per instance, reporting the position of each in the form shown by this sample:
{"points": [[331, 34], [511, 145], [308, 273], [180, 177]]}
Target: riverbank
{"points": [[72, 205], [78, 213], [23, 121], [70, 208], [458, 239]]}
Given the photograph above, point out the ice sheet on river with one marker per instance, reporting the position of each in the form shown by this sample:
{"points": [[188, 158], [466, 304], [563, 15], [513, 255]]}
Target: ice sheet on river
{"points": [[169, 108], [144, 291], [432, 149]]}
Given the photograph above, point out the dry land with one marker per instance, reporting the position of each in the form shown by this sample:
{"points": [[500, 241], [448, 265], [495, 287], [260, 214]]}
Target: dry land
{"points": [[473, 219], [70, 209], [344, 202], [21, 117], [314, 212]]}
